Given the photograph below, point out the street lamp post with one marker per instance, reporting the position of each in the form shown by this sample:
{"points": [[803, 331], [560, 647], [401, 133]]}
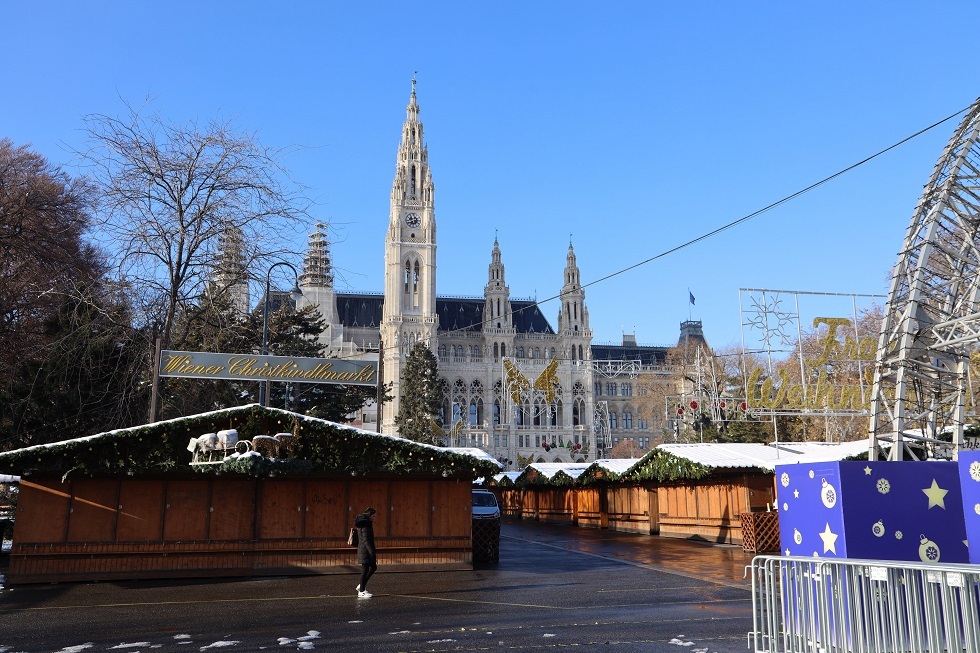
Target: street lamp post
{"points": [[295, 294]]}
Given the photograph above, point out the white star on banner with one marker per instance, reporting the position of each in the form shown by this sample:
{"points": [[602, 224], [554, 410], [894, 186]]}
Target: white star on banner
{"points": [[867, 471], [936, 495], [829, 540], [796, 494]]}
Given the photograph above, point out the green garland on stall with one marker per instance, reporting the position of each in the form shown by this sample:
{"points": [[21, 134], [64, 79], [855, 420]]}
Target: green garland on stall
{"points": [[661, 466], [319, 447]]}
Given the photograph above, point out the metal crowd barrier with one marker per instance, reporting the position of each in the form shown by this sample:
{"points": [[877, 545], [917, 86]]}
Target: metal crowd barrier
{"points": [[821, 605]]}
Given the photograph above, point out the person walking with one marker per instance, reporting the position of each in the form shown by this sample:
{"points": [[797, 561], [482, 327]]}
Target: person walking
{"points": [[366, 555]]}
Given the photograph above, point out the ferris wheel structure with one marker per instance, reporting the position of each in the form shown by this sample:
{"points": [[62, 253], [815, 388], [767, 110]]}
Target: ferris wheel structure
{"points": [[932, 318]]}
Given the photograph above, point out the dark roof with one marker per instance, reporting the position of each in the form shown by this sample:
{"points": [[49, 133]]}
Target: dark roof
{"points": [[646, 354], [359, 310], [364, 310]]}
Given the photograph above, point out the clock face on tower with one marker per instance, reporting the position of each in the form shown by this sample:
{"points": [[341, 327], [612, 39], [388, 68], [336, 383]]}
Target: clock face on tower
{"points": [[413, 220]]}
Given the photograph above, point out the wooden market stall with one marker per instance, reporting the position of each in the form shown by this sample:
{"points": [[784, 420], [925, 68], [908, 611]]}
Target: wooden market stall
{"points": [[138, 503]]}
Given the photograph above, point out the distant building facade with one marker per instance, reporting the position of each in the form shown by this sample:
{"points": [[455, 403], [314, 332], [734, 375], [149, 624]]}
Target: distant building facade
{"points": [[519, 388]]}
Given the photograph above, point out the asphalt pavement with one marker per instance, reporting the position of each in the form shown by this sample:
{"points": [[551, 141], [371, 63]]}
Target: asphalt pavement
{"points": [[555, 587]]}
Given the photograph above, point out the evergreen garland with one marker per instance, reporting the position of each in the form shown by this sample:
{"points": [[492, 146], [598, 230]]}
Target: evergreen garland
{"points": [[662, 466], [319, 447]]}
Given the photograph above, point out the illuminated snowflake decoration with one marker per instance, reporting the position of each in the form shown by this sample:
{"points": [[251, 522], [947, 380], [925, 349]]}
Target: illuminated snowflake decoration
{"points": [[784, 479], [975, 470], [777, 326], [898, 535], [884, 486]]}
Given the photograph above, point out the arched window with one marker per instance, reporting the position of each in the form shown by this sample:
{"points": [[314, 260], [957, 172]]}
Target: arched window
{"points": [[573, 353], [474, 413], [496, 412], [627, 390], [613, 421], [537, 352], [580, 356], [520, 352], [503, 350], [627, 420], [442, 351], [415, 288], [496, 351], [408, 276]]}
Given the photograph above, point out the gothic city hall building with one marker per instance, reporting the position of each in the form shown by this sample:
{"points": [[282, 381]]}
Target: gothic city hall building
{"points": [[520, 387]]}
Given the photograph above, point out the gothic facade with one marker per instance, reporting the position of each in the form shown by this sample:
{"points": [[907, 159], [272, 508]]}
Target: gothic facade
{"points": [[519, 388]]}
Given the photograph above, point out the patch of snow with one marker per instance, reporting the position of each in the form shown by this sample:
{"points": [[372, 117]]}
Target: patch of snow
{"points": [[355, 621], [400, 632], [133, 645], [182, 636], [221, 644], [307, 646], [285, 640], [77, 648], [680, 642], [549, 635], [439, 641]]}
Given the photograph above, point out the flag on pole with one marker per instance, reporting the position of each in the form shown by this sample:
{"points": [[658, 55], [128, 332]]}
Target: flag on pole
{"points": [[692, 296]]}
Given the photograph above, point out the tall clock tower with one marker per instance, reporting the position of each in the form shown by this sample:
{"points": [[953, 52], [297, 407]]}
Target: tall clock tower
{"points": [[409, 313]]}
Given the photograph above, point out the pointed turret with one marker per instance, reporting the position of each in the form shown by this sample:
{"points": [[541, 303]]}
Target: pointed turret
{"points": [[316, 282], [230, 282], [409, 311], [573, 316], [498, 314]]}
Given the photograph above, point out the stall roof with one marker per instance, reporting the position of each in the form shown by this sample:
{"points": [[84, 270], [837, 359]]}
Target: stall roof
{"points": [[474, 452], [762, 456], [163, 446], [616, 465], [574, 470]]}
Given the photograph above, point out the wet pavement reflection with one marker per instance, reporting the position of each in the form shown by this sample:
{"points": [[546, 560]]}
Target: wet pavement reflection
{"points": [[720, 563]]}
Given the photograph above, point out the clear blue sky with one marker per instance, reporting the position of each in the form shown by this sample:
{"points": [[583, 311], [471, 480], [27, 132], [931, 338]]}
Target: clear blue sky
{"points": [[633, 126]]}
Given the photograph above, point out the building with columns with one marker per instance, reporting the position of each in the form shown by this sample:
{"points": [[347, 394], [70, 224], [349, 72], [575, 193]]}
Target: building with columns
{"points": [[517, 387]]}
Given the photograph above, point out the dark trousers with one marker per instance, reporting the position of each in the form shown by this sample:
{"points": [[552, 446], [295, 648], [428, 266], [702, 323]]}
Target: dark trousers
{"points": [[367, 570]]}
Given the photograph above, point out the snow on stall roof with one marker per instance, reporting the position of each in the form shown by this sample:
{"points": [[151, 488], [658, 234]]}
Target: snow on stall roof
{"points": [[4, 478], [548, 470], [472, 451], [616, 465], [762, 456], [512, 476], [233, 409]]}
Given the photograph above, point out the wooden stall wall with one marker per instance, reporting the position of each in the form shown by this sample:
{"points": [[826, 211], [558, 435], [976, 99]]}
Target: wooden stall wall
{"points": [[556, 505], [92, 529], [709, 509]]}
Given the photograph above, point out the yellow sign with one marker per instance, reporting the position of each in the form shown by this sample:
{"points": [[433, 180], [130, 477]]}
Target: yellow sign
{"points": [[240, 367], [783, 394]]}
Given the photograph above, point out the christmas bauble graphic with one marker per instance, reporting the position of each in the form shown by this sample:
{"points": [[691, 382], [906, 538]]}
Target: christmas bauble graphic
{"points": [[878, 529], [828, 494], [797, 536], [928, 550]]}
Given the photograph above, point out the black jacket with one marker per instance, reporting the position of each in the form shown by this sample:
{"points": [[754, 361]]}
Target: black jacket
{"points": [[365, 540]]}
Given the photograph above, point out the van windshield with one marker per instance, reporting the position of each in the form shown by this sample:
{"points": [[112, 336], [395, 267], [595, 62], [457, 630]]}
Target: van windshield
{"points": [[484, 499]]}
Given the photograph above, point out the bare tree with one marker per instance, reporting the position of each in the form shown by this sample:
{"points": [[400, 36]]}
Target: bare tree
{"points": [[170, 191]]}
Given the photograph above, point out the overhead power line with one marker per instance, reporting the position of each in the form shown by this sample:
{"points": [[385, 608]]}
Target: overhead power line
{"points": [[743, 219]]}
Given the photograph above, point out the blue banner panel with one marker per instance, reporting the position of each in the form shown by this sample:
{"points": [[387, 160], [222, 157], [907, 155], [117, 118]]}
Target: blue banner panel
{"points": [[878, 510], [969, 464]]}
